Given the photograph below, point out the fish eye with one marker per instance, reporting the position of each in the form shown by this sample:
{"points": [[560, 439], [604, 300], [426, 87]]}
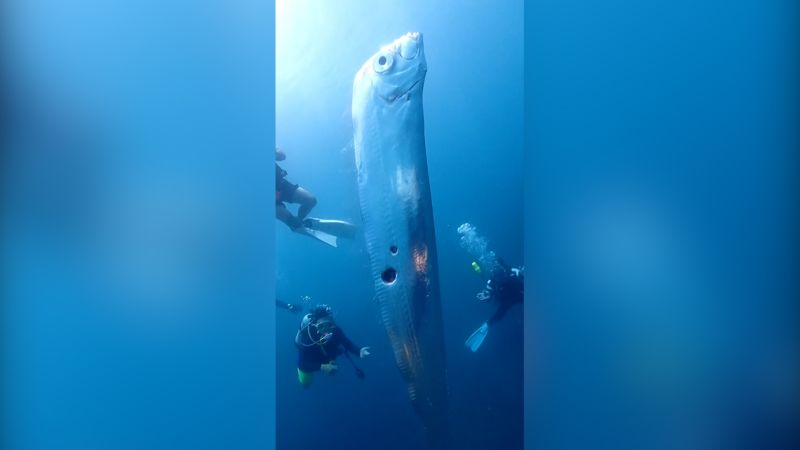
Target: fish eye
{"points": [[382, 62]]}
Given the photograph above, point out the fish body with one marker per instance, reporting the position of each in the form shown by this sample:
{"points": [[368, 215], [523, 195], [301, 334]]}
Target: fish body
{"points": [[395, 197]]}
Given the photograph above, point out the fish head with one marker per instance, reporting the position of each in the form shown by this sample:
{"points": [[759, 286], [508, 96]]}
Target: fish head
{"points": [[398, 68]]}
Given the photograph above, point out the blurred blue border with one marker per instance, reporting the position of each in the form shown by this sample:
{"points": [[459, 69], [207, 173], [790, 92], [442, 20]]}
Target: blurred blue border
{"points": [[661, 224], [138, 239]]}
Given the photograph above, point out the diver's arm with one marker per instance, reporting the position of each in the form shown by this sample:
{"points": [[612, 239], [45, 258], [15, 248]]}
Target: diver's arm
{"points": [[488, 293], [293, 307], [347, 343]]}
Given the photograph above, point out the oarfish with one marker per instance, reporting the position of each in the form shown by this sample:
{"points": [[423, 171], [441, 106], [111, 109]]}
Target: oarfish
{"points": [[395, 197]]}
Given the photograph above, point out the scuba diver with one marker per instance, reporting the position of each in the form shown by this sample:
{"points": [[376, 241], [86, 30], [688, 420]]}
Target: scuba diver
{"points": [[286, 191], [292, 307], [506, 287], [325, 231], [319, 342]]}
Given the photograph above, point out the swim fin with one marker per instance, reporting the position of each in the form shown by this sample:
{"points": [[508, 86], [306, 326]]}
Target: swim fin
{"points": [[475, 340], [338, 228], [320, 236]]}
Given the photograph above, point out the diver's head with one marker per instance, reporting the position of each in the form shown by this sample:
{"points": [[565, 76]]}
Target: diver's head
{"points": [[319, 324], [321, 311], [321, 330], [324, 325]]}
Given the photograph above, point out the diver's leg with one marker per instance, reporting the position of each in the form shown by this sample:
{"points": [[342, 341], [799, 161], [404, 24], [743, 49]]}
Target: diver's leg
{"points": [[283, 214], [304, 378], [501, 311], [306, 200]]}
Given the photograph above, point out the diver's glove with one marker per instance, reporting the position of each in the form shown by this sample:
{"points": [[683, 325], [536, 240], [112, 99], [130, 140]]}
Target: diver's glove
{"points": [[483, 296], [329, 369], [364, 352]]}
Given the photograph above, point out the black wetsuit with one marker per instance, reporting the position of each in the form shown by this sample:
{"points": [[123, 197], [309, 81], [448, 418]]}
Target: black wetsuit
{"points": [[312, 356], [284, 189], [507, 289]]}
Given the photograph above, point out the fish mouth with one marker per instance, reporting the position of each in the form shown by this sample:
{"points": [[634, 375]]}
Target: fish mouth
{"points": [[409, 46], [402, 94]]}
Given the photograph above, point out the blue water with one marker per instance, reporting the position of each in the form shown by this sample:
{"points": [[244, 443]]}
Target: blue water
{"points": [[473, 126]]}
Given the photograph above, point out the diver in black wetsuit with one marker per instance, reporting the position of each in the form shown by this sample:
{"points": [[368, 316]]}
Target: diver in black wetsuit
{"points": [[506, 287], [319, 342]]}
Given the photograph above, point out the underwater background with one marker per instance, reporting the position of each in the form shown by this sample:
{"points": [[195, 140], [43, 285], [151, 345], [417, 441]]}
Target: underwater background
{"points": [[474, 130]]}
